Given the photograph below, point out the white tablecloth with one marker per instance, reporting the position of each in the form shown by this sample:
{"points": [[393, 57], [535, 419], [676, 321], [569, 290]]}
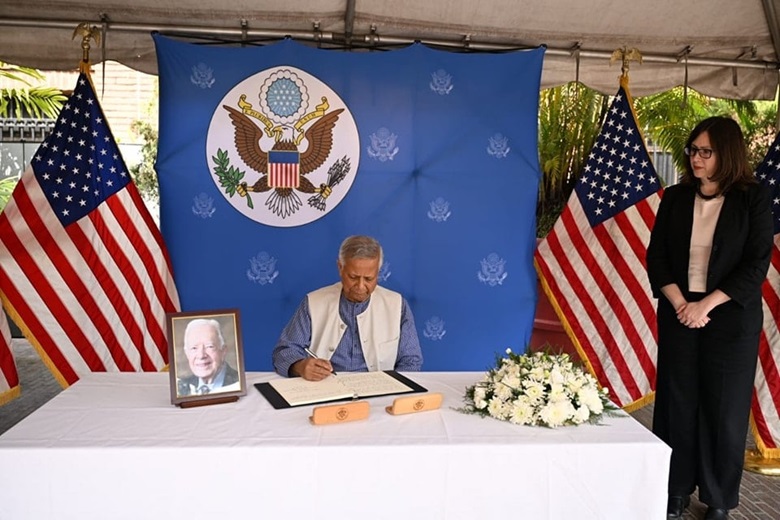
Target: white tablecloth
{"points": [[113, 447]]}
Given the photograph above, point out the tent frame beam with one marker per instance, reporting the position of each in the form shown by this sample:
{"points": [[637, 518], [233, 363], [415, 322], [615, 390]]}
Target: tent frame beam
{"points": [[244, 35], [772, 11]]}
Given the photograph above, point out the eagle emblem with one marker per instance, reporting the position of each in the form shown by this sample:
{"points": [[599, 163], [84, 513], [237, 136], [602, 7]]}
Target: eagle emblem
{"points": [[493, 272], [294, 152], [283, 168]]}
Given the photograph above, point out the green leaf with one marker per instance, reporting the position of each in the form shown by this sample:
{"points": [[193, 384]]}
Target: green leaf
{"points": [[229, 176], [28, 98]]}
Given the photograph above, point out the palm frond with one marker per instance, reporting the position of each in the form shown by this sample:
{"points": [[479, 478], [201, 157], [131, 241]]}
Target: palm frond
{"points": [[28, 99]]}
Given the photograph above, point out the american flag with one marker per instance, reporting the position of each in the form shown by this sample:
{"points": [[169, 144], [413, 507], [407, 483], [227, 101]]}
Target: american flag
{"points": [[766, 396], [283, 168], [592, 263], [83, 268], [9, 377]]}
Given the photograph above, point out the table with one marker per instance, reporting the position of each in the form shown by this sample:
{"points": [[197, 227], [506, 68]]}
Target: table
{"points": [[113, 447]]}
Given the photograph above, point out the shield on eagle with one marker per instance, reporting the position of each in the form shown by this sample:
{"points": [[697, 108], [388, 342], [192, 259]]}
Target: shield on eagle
{"points": [[284, 169]]}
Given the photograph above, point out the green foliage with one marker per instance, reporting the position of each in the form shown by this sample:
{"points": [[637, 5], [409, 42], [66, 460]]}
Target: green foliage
{"points": [[7, 186], [668, 118], [570, 117], [144, 175], [230, 176], [547, 215], [28, 100], [760, 131], [25, 100]]}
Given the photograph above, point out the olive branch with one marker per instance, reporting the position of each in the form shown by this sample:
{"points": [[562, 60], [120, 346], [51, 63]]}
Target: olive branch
{"points": [[230, 176]]}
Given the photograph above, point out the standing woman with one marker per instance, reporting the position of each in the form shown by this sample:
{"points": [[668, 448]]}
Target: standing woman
{"points": [[708, 255]]}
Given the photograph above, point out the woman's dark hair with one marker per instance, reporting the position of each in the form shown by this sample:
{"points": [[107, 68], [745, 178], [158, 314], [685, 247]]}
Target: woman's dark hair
{"points": [[730, 152]]}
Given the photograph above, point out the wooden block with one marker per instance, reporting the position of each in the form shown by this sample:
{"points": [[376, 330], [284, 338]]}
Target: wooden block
{"points": [[415, 403], [340, 413], [206, 402]]}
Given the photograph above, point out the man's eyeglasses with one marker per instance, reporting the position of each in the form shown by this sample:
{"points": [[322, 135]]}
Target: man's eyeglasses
{"points": [[704, 153]]}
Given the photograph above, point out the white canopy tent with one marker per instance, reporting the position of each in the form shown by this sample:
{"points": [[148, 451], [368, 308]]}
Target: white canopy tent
{"points": [[722, 48]]}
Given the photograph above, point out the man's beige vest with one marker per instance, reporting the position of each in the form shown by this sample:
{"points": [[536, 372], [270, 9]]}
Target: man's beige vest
{"points": [[379, 325]]}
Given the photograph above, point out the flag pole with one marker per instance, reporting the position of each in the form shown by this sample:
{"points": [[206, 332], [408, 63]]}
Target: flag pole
{"points": [[755, 462]]}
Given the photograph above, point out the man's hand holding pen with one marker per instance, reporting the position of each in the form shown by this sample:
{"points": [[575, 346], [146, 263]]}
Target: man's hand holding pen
{"points": [[312, 368]]}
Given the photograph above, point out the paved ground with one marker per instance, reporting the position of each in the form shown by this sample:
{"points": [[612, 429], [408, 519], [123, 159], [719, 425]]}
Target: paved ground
{"points": [[38, 385], [760, 494]]}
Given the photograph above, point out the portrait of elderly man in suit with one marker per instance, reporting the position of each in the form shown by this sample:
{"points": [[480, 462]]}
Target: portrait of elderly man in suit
{"points": [[206, 353]]}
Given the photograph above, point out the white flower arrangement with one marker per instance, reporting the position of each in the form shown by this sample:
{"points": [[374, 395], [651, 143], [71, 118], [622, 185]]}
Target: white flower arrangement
{"points": [[538, 389]]}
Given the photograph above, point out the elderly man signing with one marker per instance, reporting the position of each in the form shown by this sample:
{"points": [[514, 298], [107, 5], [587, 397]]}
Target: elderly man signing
{"points": [[353, 325]]}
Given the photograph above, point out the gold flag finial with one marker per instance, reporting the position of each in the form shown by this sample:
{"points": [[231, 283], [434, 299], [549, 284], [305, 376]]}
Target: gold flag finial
{"points": [[625, 55], [87, 33]]}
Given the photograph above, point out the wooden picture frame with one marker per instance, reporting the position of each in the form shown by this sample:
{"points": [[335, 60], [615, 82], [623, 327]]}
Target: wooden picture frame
{"points": [[203, 372]]}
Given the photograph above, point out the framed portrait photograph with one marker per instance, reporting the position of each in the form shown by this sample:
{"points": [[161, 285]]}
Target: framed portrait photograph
{"points": [[205, 356]]}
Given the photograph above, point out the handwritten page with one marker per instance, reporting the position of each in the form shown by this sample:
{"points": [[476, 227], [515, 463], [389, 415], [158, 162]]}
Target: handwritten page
{"points": [[298, 391], [367, 384]]}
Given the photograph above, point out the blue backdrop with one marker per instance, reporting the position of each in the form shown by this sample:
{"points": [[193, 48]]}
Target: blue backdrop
{"points": [[434, 153]]}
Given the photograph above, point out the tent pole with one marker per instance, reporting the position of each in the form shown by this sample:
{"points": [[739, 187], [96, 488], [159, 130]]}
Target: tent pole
{"points": [[369, 40]]}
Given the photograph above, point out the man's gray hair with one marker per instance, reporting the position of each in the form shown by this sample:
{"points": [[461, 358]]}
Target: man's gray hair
{"points": [[214, 324], [360, 246]]}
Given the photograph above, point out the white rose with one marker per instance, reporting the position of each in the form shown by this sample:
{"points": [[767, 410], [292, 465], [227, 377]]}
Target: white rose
{"points": [[590, 397], [479, 398], [511, 379], [575, 384], [557, 393], [556, 377]]}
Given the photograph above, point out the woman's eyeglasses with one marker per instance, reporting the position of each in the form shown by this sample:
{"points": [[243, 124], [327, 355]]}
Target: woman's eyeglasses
{"points": [[704, 153]]}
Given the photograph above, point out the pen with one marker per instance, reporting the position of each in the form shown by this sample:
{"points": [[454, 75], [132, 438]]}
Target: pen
{"points": [[312, 354]]}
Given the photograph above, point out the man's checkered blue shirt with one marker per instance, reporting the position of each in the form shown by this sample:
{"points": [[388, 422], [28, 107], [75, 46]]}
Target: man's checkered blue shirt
{"points": [[348, 356]]}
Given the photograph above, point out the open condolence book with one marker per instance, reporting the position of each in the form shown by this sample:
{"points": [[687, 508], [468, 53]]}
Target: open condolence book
{"points": [[296, 391]]}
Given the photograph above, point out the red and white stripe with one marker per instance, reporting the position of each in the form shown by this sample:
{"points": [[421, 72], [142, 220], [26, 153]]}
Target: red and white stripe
{"points": [[597, 278], [283, 175], [766, 396], [9, 377], [92, 296]]}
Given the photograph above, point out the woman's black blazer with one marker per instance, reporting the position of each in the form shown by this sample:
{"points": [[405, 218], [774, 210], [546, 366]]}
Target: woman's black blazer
{"points": [[742, 247]]}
